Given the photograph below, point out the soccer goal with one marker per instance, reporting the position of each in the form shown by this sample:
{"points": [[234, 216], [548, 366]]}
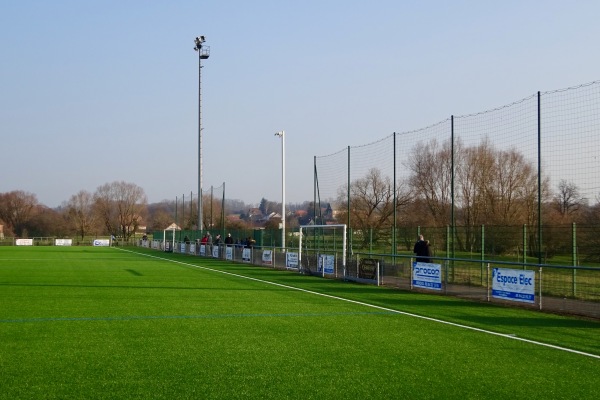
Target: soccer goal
{"points": [[322, 249]]}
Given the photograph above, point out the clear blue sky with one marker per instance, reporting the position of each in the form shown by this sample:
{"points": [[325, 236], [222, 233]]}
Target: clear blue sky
{"points": [[98, 91]]}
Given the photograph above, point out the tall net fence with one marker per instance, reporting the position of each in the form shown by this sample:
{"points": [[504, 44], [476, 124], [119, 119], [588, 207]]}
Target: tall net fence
{"points": [[570, 140], [526, 171]]}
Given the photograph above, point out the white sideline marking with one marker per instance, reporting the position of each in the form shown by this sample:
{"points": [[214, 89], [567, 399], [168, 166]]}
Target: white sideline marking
{"points": [[504, 335]]}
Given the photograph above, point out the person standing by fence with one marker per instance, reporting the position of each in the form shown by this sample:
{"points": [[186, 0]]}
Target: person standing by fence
{"points": [[422, 250]]}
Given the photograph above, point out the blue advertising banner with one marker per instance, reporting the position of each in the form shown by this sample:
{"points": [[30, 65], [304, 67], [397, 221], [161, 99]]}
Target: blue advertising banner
{"points": [[291, 260], [513, 284], [427, 276], [326, 263]]}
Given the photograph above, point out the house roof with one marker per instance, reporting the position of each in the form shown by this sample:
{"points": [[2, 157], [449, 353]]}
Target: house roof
{"points": [[173, 226]]}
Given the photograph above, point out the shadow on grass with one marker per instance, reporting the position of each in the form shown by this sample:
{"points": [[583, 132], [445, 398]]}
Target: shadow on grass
{"points": [[211, 288]]}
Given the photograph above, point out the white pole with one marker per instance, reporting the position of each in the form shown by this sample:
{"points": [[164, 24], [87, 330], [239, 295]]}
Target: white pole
{"points": [[282, 136], [283, 191]]}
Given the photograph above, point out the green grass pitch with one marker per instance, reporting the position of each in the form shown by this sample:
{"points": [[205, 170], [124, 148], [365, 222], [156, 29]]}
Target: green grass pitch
{"points": [[106, 323]]}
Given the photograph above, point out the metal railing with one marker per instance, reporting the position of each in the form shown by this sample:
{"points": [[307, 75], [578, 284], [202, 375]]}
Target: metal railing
{"points": [[570, 290]]}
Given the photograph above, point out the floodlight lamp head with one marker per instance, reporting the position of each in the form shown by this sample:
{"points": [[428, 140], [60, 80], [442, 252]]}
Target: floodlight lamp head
{"points": [[280, 134], [199, 40]]}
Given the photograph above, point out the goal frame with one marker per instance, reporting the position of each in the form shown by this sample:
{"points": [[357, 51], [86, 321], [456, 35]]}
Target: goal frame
{"points": [[303, 228]]}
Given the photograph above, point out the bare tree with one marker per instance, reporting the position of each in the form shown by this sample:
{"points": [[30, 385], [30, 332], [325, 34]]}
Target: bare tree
{"points": [[48, 222], [17, 208], [80, 212], [431, 178], [121, 207], [567, 200], [372, 204], [512, 178], [474, 165], [212, 208], [160, 215]]}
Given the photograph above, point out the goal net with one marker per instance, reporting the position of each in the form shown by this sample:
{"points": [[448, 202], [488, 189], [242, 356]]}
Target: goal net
{"points": [[322, 249]]}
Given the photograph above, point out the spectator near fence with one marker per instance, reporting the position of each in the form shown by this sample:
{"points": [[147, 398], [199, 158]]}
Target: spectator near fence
{"points": [[422, 250]]}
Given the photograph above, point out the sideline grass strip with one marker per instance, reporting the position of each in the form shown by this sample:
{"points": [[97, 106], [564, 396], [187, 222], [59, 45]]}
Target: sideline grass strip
{"points": [[113, 334], [385, 309]]}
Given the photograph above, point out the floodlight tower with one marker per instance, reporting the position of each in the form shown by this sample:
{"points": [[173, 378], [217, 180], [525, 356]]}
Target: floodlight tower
{"points": [[281, 134], [203, 53]]}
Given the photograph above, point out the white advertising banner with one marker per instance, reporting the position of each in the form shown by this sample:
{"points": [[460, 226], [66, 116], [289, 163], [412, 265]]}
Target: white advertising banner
{"points": [[202, 249], [192, 248], [101, 242], [291, 260], [24, 242], [215, 252], [267, 257], [246, 254], [427, 276], [326, 263], [229, 253], [63, 242], [513, 284]]}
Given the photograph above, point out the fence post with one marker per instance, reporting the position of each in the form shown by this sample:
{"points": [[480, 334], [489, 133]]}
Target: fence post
{"points": [[482, 250], [447, 241], [394, 245], [524, 245], [574, 236], [539, 125], [487, 284], [540, 288]]}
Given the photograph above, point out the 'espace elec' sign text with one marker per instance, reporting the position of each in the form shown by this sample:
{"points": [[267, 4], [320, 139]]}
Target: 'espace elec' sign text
{"points": [[513, 284]]}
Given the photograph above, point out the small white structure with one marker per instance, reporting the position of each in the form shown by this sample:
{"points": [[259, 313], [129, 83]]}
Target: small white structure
{"points": [[173, 227]]}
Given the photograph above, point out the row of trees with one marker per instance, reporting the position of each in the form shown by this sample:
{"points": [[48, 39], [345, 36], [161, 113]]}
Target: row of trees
{"points": [[121, 208], [115, 208], [491, 187]]}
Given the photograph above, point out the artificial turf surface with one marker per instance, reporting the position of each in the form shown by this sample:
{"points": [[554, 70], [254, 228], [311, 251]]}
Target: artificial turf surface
{"points": [[85, 322]]}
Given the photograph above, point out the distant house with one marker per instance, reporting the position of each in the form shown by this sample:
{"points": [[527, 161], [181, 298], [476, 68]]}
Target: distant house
{"points": [[273, 215], [233, 217], [300, 213], [255, 215]]}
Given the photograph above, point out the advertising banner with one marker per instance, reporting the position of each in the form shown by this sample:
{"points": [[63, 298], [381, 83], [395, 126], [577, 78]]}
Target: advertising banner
{"points": [[101, 242], [267, 257], [326, 263], [246, 254], [368, 267], [513, 284], [202, 249], [24, 242], [229, 253], [63, 242], [215, 252], [291, 260], [427, 276]]}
